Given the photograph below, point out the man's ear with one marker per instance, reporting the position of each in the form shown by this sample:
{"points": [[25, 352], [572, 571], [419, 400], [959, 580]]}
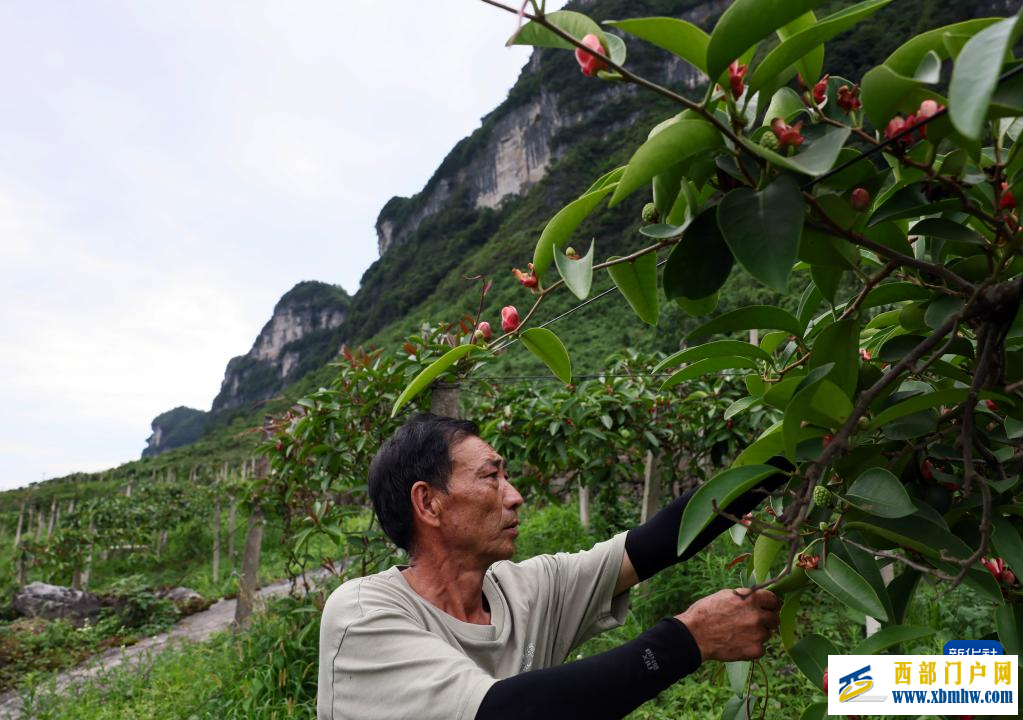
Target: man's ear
{"points": [[425, 503]]}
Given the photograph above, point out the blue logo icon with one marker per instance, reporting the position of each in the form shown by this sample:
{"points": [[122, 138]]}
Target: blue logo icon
{"points": [[855, 684]]}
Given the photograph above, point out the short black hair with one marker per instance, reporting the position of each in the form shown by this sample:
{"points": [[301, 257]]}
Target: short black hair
{"points": [[419, 450]]}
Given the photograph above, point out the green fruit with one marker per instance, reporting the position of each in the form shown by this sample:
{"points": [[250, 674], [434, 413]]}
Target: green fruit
{"points": [[650, 213], [770, 141], [822, 496]]}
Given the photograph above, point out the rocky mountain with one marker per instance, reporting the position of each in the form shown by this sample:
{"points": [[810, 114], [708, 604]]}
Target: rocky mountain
{"points": [[303, 334]]}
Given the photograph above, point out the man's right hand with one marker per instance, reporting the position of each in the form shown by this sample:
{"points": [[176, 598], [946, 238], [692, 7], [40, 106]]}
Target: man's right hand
{"points": [[732, 624]]}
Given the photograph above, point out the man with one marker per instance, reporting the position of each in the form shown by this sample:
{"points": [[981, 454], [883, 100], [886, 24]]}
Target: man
{"points": [[462, 633]]}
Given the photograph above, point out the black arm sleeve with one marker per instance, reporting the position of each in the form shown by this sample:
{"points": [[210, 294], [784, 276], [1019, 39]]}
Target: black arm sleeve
{"points": [[652, 546], [607, 686]]}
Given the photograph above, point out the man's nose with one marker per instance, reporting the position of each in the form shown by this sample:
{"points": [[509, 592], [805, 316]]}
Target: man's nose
{"points": [[512, 498]]}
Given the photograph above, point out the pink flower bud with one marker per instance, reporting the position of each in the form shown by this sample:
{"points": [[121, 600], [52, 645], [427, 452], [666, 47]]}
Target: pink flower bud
{"points": [[590, 64], [509, 318]]}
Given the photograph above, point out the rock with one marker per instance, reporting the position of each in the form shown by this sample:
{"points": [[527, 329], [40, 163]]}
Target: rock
{"points": [[186, 600], [54, 601]]}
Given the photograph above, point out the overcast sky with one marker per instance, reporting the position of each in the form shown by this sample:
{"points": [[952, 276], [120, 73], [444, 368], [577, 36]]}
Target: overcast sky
{"points": [[169, 170]]}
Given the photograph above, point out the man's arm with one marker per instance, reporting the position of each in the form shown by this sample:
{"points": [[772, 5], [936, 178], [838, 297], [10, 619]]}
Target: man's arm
{"points": [[728, 625], [652, 546]]}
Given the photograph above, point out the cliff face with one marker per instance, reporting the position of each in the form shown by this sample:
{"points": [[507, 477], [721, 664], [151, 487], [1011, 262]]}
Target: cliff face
{"points": [[302, 334], [518, 142]]}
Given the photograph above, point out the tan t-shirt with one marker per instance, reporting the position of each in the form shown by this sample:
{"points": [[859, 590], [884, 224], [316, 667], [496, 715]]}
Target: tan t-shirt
{"points": [[387, 653]]}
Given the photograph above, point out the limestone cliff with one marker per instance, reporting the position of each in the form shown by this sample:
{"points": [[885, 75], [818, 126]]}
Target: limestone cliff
{"points": [[175, 428], [301, 335]]}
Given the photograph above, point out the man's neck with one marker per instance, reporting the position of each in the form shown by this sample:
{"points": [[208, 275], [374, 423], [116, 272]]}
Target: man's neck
{"points": [[451, 584]]}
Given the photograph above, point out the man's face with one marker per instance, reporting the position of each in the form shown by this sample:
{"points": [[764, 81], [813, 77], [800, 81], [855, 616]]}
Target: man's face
{"points": [[480, 510]]}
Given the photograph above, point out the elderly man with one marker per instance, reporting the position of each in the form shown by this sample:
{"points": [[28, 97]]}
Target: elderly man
{"points": [[462, 633]]}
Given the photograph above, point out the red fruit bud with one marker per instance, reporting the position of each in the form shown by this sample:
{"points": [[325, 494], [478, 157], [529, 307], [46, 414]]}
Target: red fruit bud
{"points": [[591, 64], [860, 199], [1008, 577], [826, 440], [736, 73], [1007, 201], [896, 125], [729, 424], [992, 405], [824, 684], [820, 90], [484, 330], [788, 135], [927, 109], [279, 446], [927, 470], [865, 354], [849, 98], [530, 280], [747, 519], [509, 318]]}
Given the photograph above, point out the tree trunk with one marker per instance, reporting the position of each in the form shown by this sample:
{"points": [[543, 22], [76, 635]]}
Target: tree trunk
{"points": [[584, 506], [651, 487], [83, 575], [445, 400], [161, 542], [216, 540], [21, 519], [22, 571]]}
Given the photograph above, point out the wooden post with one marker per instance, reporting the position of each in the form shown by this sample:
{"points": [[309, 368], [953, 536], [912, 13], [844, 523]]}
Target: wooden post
{"points": [[216, 539], [127, 490], [249, 580], [21, 518], [651, 487], [53, 518], [445, 400], [584, 506], [22, 570], [40, 523], [232, 527], [83, 574]]}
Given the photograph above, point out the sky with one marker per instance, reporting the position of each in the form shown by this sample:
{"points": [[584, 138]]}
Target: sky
{"points": [[169, 170]]}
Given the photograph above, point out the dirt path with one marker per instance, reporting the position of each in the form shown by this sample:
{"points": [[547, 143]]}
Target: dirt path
{"points": [[194, 628]]}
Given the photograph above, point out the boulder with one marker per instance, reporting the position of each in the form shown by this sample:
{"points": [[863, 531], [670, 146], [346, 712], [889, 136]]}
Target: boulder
{"points": [[53, 602], [186, 600]]}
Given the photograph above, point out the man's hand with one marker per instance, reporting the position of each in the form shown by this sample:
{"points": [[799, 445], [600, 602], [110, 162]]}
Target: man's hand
{"points": [[732, 624]]}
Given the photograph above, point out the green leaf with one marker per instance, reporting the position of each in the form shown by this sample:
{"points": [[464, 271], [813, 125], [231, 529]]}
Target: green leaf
{"points": [[811, 657], [698, 307], [765, 550], [894, 292], [975, 76], [785, 104], [700, 263], [703, 367], [753, 317], [917, 403], [720, 490], [562, 225], [577, 274], [1009, 622], [815, 711], [839, 344], [676, 36], [885, 92], [840, 580], [815, 402], [948, 230], [789, 616], [739, 406], [637, 281], [907, 57], [901, 591], [879, 492], [889, 636], [575, 24], [909, 202], [929, 69], [799, 44], [431, 373], [744, 23], [673, 144], [549, 348], [763, 228], [718, 348], [1007, 543], [815, 157]]}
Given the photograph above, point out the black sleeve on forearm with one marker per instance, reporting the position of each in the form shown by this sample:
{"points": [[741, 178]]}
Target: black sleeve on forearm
{"points": [[652, 546], [607, 686]]}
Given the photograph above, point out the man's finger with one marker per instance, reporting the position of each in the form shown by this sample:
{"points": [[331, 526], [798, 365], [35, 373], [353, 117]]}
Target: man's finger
{"points": [[767, 600]]}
